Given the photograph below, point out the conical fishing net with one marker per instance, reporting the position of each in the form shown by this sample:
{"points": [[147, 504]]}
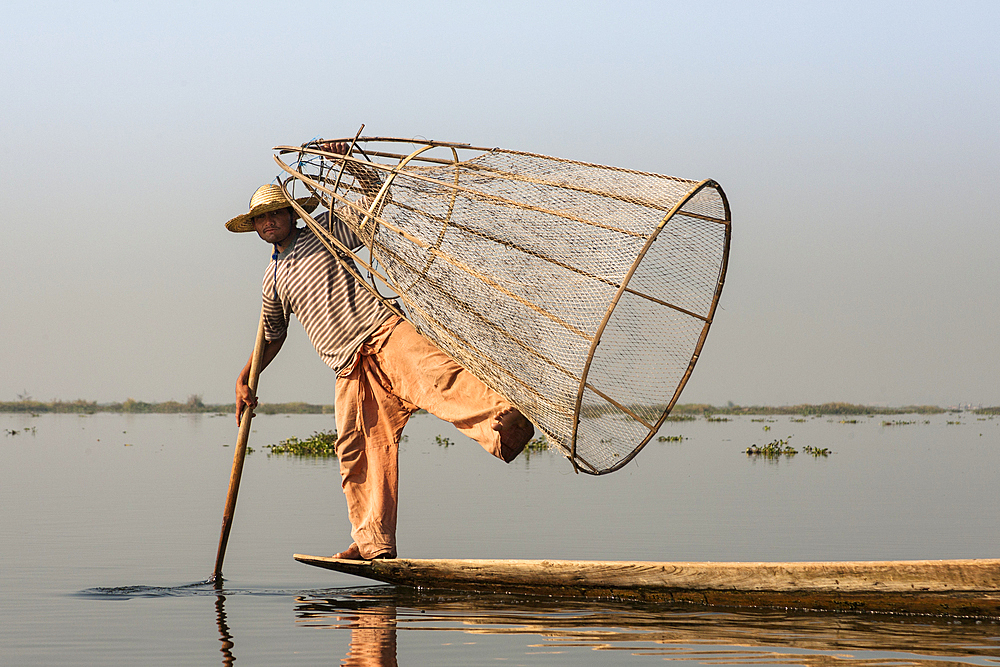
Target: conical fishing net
{"points": [[581, 293]]}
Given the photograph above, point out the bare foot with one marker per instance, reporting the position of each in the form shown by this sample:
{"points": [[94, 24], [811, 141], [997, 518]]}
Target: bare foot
{"points": [[350, 553], [515, 432], [354, 553]]}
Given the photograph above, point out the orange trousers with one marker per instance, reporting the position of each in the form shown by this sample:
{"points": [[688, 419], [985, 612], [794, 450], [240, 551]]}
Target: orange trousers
{"points": [[395, 372]]}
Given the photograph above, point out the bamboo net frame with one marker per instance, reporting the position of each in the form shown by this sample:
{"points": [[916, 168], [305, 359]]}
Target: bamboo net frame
{"points": [[581, 293]]}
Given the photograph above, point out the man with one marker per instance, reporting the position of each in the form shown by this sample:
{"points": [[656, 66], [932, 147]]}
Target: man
{"points": [[385, 369]]}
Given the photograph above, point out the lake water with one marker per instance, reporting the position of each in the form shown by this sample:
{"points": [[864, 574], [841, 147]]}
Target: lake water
{"points": [[110, 521]]}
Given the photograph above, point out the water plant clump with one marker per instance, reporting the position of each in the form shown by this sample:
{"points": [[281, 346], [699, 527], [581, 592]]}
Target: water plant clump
{"points": [[539, 444], [816, 451], [897, 422], [772, 450], [320, 444], [670, 438]]}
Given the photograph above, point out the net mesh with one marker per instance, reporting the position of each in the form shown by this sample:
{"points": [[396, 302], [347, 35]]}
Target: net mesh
{"points": [[581, 293]]}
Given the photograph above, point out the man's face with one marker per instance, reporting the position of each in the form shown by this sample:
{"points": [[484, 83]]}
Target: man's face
{"points": [[274, 227]]}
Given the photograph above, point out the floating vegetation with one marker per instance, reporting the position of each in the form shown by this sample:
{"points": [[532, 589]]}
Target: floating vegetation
{"points": [[955, 423], [816, 451], [798, 420], [539, 444], [710, 418], [763, 419], [320, 443], [848, 421], [443, 442], [807, 410], [681, 418], [896, 422], [670, 438], [772, 450]]}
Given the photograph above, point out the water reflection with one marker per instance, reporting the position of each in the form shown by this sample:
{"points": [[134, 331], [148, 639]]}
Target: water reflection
{"points": [[371, 619], [668, 633], [226, 637]]}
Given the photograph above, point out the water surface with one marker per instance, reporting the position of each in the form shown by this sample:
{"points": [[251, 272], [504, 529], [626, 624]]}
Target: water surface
{"points": [[110, 521]]}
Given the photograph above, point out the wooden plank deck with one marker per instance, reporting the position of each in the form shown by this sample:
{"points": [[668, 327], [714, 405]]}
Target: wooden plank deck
{"points": [[943, 587]]}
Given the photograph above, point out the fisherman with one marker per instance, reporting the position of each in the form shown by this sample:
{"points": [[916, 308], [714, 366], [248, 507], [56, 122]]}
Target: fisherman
{"points": [[385, 369]]}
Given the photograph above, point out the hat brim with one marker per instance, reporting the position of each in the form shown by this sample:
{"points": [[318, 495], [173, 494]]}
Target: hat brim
{"points": [[244, 223]]}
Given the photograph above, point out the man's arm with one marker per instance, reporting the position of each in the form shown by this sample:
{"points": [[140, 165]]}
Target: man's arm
{"points": [[244, 397], [366, 177]]}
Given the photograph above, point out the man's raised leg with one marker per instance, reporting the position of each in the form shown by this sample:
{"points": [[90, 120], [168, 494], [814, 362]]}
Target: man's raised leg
{"points": [[424, 376]]}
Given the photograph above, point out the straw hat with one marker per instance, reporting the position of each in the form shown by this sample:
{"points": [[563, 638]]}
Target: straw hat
{"points": [[267, 198]]}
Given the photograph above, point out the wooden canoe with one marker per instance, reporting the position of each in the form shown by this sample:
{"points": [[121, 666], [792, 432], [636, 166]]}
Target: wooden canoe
{"points": [[943, 587]]}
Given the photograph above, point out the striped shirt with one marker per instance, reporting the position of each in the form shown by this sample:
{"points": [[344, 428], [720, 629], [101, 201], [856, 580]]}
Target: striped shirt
{"points": [[336, 312]]}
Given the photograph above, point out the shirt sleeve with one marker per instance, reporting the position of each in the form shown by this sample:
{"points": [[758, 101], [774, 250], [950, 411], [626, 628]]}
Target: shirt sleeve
{"points": [[275, 318]]}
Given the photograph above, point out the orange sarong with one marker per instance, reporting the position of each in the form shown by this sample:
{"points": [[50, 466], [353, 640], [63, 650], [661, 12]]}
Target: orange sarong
{"points": [[395, 372]]}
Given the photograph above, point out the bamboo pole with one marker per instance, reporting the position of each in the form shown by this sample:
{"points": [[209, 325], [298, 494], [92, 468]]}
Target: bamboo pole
{"points": [[240, 454]]}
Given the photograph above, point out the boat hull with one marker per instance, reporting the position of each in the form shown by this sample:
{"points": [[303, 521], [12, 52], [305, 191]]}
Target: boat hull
{"points": [[941, 587]]}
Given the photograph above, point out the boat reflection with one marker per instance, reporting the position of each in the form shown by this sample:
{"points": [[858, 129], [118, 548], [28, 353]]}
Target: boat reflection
{"points": [[812, 639]]}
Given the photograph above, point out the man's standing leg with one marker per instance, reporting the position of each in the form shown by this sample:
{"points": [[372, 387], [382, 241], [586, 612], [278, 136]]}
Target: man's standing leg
{"points": [[370, 422]]}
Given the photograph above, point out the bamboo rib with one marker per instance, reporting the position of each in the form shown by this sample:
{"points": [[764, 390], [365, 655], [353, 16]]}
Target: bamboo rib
{"points": [[467, 309], [400, 140], [421, 158], [698, 347], [471, 165], [475, 194], [376, 204], [614, 303], [706, 218], [665, 304], [619, 406], [550, 260], [443, 257], [447, 218], [561, 185], [434, 143], [343, 165], [318, 230], [506, 292], [526, 251], [457, 337]]}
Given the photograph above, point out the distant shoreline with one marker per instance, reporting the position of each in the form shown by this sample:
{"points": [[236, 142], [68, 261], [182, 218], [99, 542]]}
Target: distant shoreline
{"points": [[195, 406]]}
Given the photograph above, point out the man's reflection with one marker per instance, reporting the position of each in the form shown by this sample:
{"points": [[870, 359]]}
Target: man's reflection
{"points": [[372, 624], [373, 638]]}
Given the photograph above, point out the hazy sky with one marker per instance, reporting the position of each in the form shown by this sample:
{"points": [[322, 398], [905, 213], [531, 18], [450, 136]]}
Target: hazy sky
{"points": [[858, 143]]}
